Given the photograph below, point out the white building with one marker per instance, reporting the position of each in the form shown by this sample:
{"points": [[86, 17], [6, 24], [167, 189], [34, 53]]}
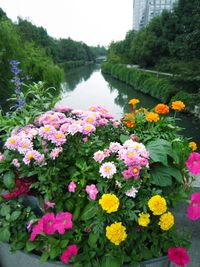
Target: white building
{"points": [[145, 10]]}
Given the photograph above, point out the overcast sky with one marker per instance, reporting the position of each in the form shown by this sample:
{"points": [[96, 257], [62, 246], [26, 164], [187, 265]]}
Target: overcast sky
{"points": [[91, 21]]}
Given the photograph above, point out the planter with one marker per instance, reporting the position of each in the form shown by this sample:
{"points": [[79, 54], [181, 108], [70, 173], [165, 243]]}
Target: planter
{"points": [[21, 259]]}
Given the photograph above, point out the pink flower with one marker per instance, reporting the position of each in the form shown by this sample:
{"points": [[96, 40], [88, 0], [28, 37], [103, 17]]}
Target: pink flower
{"points": [[36, 230], [67, 254], [114, 147], [178, 256], [127, 174], [85, 139], [132, 192], [62, 108], [92, 191], [194, 207], [49, 223], [48, 204], [99, 156], [63, 221], [2, 157], [193, 163], [107, 170], [88, 128], [55, 152], [71, 187], [16, 163]]}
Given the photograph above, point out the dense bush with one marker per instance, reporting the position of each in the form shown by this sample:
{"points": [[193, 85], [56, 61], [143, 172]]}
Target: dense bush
{"points": [[158, 87]]}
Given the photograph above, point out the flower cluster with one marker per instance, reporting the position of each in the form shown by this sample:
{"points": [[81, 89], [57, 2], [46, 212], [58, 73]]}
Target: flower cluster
{"points": [[99, 185]]}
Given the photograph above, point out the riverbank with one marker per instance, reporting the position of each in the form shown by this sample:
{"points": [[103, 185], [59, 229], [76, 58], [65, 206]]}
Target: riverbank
{"points": [[160, 86]]}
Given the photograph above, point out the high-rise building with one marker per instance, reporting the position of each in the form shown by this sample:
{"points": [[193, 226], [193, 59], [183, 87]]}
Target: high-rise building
{"points": [[145, 10]]}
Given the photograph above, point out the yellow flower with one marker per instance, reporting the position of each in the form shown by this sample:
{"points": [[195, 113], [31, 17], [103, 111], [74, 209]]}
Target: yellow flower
{"points": [[193, 146], [143, 219], [151, 116], [116, 233], [134, 101], [161, 109], [178, 105], [166, 221], [157, 205], [109, 202]]}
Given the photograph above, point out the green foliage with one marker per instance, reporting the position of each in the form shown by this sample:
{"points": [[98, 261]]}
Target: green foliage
{"points": [[158, 87]]}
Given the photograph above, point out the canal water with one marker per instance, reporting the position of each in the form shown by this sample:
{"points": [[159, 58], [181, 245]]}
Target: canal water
{"points": [[86, 86]]}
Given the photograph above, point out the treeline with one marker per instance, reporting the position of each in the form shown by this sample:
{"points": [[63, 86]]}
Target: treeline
{"points": [[41, 57], [169, 43]]}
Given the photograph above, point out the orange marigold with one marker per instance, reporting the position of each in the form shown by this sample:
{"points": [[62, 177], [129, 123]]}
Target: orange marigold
{"points": [[129, 120], [151, 117], [193, 146], [161, 109], [178, 105], [134, 101]]}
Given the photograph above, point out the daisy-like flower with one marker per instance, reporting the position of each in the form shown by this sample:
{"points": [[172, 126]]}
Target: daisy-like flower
{"points": [[99, 156], [58, 138], [12, 142], [107, 170], [88, 128], [132, 192]]}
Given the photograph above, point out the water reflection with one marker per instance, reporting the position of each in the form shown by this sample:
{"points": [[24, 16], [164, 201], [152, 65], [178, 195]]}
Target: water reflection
{"points": [[75, 76]]}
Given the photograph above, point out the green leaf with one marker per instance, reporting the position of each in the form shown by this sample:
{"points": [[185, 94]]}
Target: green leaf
{"points": [[110, 260], [123, 138], [5, 210], [30, 246], [81, 164], [44, 257], [9, 180], [89, 211], [15, 215], [93, 237], [159, 150], [4, 234], [161, 176]]}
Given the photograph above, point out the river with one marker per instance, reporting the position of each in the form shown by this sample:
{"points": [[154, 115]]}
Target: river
{"points": [[86, 86]]}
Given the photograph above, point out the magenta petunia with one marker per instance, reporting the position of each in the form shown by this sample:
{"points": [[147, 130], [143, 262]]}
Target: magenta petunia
{"points": [[193, 211], [178, 256], [36, 230], [63, 221], [193, 163], [49, 223], [67, 254]]}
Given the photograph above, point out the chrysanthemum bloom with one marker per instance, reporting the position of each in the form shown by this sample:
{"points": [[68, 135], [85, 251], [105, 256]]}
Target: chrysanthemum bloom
{"points": [[131, 192], [58, 138], [116, 233], [88, 128], [193, 146], [72, 187], [193, 163], [127, 174], [161, 109], [157, 205], [109, 202], [63, 222], [12, 142], [114, 147], [143, 219], [178, 256], [67, 254], [99, 156], [178, 105], [47, 131], [92, 191], [107, 170], [134, 101], [152, 117], [55, 152], [166, 221], [193, 211]]}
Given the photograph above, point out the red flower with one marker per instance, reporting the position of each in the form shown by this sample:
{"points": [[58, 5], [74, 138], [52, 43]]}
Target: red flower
{"points": [[22, 187], [178, 256], [67, 254], [194, 207]]}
